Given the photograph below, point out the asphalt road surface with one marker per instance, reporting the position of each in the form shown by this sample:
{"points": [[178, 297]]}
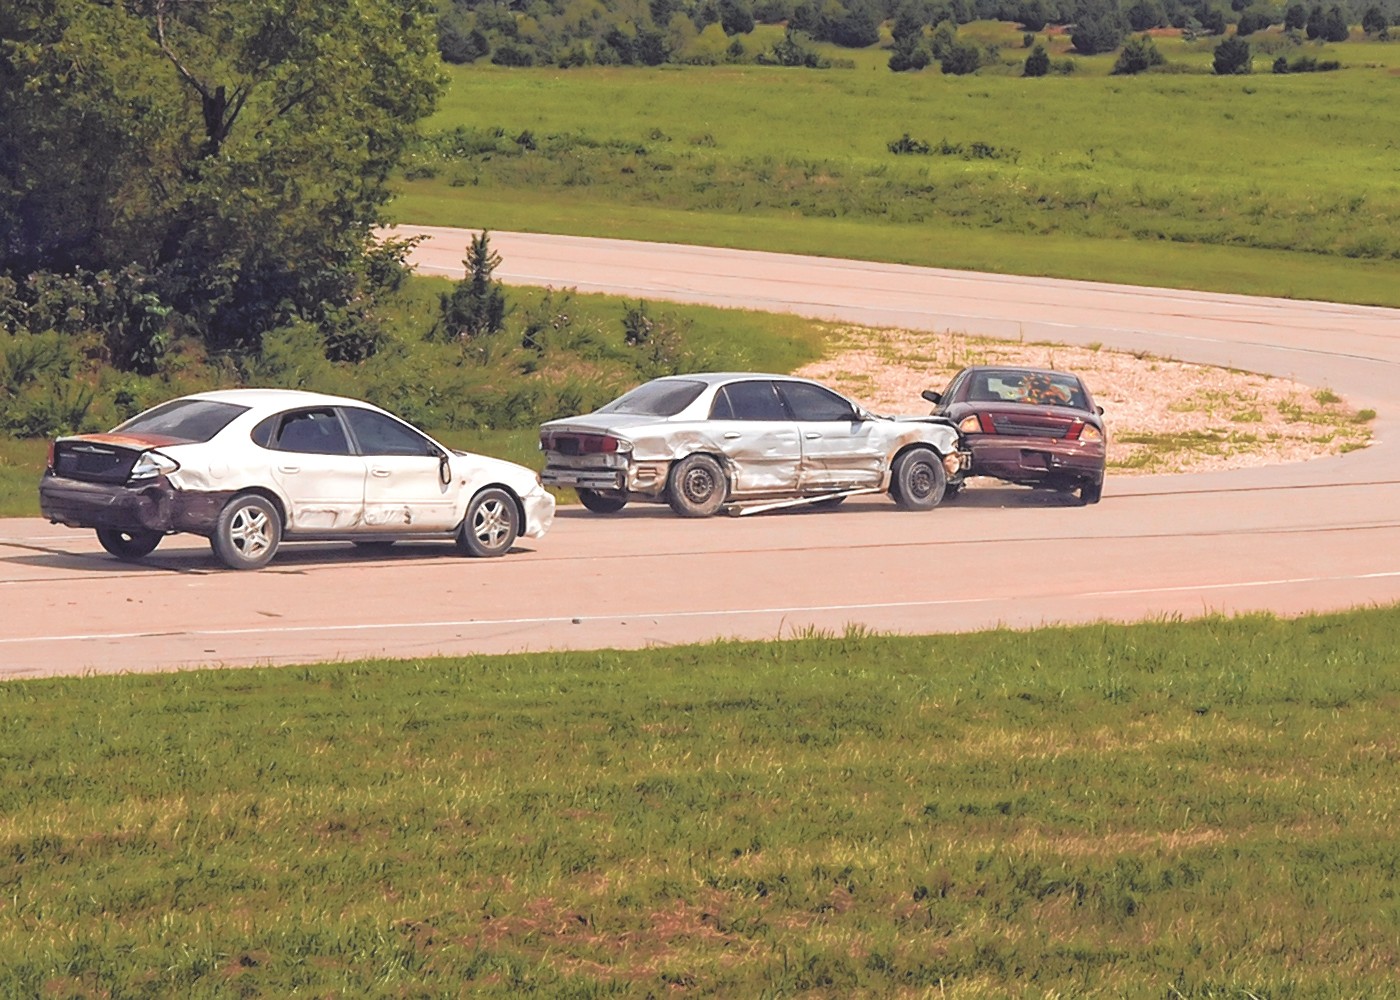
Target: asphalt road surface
{"points": [[1311, 536]]}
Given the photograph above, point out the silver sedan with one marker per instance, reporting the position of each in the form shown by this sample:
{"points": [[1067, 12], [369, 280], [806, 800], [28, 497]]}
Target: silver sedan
{"points": [[745, 441]]}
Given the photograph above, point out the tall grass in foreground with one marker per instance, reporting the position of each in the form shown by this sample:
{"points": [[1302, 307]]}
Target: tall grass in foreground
{"points": [[1172, 809]]}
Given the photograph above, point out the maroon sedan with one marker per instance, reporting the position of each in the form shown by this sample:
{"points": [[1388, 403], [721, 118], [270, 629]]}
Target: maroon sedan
{"points": [[1030, 426]]}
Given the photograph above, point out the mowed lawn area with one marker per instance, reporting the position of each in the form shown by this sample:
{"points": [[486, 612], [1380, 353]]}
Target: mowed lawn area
{"points": [[1197, 809], [1269, 183]]}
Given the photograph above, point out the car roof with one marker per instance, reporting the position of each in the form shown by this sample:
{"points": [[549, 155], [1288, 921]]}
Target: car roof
{"points": [[719, 378], [1026, 369], [276, 398]]}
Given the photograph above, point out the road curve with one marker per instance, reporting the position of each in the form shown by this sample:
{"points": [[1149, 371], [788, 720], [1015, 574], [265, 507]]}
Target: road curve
{"points": [[1311, 536]]}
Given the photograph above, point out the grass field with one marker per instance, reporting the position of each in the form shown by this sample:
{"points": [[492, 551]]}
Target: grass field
{"points": [[1198, 809], [1279, 184]]}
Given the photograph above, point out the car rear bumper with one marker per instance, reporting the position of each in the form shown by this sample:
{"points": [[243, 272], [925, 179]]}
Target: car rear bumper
{"points": [[1037, 460], [155, 507]]}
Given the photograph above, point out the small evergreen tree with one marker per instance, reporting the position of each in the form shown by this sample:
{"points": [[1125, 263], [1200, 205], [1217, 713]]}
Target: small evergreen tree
{"points": [[1138, 56], [1037, 63], [1373, 21], [1334, 25], [1296, 17], [477, 304], [1232, 57]]}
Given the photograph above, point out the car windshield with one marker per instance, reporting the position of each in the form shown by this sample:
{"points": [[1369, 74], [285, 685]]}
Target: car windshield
{"points": [[663, 397], [188, 420]]}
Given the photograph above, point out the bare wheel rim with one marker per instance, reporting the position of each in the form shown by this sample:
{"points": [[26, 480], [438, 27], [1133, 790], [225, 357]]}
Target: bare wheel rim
{"points": [[248, 531], [921, 480], [492, 523], [698, 484]]}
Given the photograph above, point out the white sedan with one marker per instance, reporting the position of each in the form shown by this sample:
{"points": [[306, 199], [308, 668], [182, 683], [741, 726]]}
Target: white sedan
{"points": [[248, 468], [746, 441]]}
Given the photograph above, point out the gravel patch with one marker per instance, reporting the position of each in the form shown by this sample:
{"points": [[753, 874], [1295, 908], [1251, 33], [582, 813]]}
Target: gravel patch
{"points": [[1162, 415]]}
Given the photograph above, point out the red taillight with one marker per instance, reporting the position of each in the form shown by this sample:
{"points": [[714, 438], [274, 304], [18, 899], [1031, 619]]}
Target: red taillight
{"points": [[569, 443], [1075, 429]]}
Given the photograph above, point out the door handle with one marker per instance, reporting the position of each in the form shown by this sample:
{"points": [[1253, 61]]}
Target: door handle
{"points": [[730, 435], [381, 473], [811, 435], [289, 468]]}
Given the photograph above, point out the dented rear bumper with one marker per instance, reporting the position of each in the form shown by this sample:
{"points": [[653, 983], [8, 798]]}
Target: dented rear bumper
{"points": [[156, 506]]}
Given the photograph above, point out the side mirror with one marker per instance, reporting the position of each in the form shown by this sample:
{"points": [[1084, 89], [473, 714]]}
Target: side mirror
{"points": [[444, 469], [932, 396]]}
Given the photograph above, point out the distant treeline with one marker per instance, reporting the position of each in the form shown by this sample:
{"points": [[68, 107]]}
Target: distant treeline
{"points": [[633, 32]]}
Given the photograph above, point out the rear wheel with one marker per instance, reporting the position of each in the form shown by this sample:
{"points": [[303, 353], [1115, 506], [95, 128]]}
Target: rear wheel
{"points": [[247, 533], [601, 503], [492, 524], [129, 545], [1090, 493], [696, 487], [918, 479]]}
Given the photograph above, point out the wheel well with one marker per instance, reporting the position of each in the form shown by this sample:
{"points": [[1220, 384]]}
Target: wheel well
{"points": [[519, 504], [266, 494], [719, 458], [910, 447]]}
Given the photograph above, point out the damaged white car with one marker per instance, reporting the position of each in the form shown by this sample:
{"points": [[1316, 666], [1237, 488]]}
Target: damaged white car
{"points": [[745, 442], [248, 468]]}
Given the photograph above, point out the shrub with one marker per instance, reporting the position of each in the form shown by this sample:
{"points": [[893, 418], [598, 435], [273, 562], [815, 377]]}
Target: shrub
{"points": [[1037, 63], [1138, 56], [907, 144], [1232, 57], [961, 59]]}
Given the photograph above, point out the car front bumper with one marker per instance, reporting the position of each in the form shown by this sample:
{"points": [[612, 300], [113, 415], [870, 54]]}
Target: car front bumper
{"points": [[539, 512], [156, 506]]}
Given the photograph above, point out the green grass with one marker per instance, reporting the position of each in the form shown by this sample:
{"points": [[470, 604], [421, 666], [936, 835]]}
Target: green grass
{"points": [[1200, 809], [1278, 184]]}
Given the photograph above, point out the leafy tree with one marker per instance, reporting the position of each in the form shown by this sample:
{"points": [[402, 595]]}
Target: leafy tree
{"points": [[961, 59], [1146, 15], [1295, 18], [1033, 15], [857, 28], [1316, 22], [1212, 20], [1232, 57], [477, 303], [735, 17], [1373, 21], [237, 151], [1139, 55], [795, 50], [1098, 28], [1334, 25], [1037, 63], [1252, 20]]}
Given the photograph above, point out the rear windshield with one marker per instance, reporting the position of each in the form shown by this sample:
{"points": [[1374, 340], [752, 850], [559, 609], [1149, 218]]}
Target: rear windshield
{"points": [[663, 397], [187, 420]]}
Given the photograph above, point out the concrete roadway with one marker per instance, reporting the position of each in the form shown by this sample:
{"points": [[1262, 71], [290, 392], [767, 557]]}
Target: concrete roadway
{"points": [[1311, 536]]}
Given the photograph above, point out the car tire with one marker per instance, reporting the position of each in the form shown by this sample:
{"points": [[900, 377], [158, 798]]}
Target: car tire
{"points": [[129, 545], [491, 526], [1090, 493], [600, 503], [247, 533], [696, 486], [918, 481]]}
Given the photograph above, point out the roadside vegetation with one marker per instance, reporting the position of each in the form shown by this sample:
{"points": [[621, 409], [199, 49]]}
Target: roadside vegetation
{"points": [[1195, 809]]}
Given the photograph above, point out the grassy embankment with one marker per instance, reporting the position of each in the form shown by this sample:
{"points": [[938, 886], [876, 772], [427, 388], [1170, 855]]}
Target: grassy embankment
{"points": [[1265, 184], [1173, 809]]}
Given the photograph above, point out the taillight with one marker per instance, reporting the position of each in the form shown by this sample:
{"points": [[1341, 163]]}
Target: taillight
{"points": [[1091, 434], [970, 424], [570, 443]]}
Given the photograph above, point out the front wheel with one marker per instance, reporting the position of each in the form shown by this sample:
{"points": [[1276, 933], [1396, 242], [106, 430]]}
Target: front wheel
{"points": [[492, 524], [247, 533], [918, 481], [128, 545], [696, 487], [601, 503]]}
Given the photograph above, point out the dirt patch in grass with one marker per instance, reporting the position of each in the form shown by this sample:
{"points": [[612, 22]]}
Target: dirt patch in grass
{"points": [[1162, 415]]}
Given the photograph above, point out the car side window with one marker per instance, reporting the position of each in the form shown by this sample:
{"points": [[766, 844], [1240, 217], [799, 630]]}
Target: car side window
{"points": [[815, 403], [748, 401], [312, 432], [378, 434]]}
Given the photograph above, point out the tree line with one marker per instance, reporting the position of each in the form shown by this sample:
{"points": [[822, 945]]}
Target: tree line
{"points": [[633, 32]]}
